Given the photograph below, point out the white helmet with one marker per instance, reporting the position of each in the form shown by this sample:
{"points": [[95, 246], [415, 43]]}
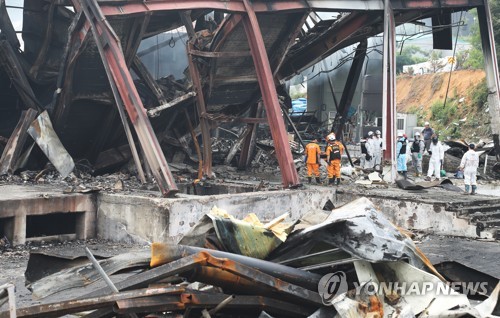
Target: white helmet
{"points": [[378, 132], [400, 134], [370, 133], [426, 123], [331, 137], [417, 134]]}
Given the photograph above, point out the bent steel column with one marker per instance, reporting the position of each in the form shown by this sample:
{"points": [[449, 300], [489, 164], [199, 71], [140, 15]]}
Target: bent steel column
{"points": [[202, 113], [126, 92], [490, 65], [350, 86], [289, 174]]}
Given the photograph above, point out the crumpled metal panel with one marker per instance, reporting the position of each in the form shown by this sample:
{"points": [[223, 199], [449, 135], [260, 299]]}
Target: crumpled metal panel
{"points": [[244, 238], [45, 137], [359, 229]]}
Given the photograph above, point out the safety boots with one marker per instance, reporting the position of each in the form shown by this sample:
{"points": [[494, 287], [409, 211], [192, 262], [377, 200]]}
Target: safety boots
{"points": [[331, 181], [474, 188], [338, 181], [309, 180], [318, 180], [467, 188]]}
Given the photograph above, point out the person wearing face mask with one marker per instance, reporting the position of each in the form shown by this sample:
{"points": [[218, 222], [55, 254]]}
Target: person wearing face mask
{"points": [[469, 164], [377, 150], [436, 151], [401, 155]]}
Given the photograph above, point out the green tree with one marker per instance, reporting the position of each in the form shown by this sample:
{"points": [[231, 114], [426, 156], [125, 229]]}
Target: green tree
{"points": [[475, 58], [409, 55], [435, 60]]}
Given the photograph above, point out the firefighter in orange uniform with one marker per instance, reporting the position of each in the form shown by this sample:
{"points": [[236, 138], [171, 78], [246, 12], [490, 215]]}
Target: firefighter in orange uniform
{"points": [[334, 152], [312, 160]]}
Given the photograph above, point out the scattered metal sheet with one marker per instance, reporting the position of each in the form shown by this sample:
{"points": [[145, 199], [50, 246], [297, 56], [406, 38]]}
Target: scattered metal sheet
{"points": [[44, 263], [359, 229], [43, 133], [86, 274], [406, 184]]}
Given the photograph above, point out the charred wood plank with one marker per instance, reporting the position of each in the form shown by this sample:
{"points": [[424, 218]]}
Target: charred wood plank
{"points": [[249, 144], [16, 142], [153, 112], [144, 74]]}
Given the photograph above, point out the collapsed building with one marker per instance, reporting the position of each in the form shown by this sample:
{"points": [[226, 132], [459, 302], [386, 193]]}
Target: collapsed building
{"points": [[81, 88], [79, 65]]}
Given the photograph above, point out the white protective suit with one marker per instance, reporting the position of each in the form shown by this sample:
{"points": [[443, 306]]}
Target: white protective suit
{"points": [[470, 162], [370, 151], [377, 152], [437, 151]]}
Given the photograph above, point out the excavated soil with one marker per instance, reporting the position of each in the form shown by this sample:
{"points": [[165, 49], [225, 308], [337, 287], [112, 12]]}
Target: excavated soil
{"points": [[423, 90]]}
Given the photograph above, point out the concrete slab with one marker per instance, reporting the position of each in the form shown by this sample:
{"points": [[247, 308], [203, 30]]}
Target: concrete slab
{"points": [[433, 210], [131, 218], [18, 203]]}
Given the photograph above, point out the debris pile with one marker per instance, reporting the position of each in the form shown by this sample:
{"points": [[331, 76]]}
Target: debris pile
{"points": [[349, 263]]}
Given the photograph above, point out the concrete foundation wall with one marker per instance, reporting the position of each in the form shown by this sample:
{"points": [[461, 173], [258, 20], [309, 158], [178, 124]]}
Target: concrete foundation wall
{"points": [[138, 219], [421, 216]]}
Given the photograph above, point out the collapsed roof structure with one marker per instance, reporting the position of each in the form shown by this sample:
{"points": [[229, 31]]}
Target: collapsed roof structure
{"points": [[79, 68]]}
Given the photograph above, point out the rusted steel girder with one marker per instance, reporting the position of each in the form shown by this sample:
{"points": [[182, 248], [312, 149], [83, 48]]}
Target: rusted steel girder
{"points": [[202, 110], [389, 88], [126, 92], [350, 86], [229, 6], [289, 174]]}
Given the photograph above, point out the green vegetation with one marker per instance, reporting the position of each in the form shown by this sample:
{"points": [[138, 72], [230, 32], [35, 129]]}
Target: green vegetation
{"points": [[461, 117], [410, 54]]}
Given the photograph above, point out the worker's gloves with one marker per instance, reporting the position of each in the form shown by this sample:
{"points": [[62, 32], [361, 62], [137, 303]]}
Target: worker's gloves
{"points": [[368, 157], [419, 156], [430, 153]]}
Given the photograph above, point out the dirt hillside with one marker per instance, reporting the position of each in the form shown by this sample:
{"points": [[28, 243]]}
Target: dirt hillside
{"points": [[421, 91]]}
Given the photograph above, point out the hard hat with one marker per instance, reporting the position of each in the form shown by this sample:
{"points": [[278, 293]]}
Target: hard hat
{"points": [[370, 133], [378, 132], [417, 134], [426, 123], [331, 137], [400, 134]]}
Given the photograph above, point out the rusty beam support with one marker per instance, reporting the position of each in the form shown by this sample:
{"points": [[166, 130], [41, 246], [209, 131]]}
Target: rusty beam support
{"points": [[351, 29], [125, 92], [249, 144], [14, 70], [389, 88], [220, 54], [58, 309], [16, 142], [202, 110], [138, 31], [188, 23], [77, 39], [491, 67], [289, 174], [350, 87], [153, 112], [234, 148], [42, 53], [290, 122], [227, 6], [141, 71]]}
